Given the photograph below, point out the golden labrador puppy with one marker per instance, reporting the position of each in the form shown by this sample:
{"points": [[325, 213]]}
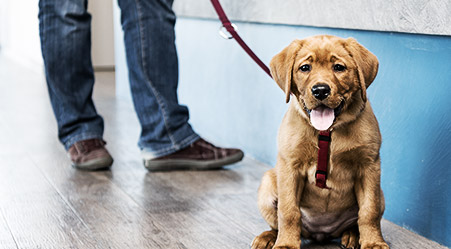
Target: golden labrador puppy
{"points": [[327, 77]]}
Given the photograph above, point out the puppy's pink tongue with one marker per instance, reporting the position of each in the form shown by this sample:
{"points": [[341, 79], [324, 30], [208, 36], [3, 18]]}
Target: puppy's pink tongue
{"points": [[322, 118]]}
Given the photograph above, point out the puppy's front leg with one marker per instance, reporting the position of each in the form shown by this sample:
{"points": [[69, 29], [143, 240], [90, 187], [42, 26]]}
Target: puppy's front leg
{"points": [[290, 185], [369, 197]]}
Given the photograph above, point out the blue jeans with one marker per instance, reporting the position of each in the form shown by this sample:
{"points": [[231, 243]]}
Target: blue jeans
{"points": [[65, 31]]}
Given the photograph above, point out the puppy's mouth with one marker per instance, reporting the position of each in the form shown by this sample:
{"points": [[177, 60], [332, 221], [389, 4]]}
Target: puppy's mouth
{"points": [[322, 117]]}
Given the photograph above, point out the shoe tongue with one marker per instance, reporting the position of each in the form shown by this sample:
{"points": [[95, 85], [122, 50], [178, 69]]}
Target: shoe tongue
{"points": [[322, 118]]}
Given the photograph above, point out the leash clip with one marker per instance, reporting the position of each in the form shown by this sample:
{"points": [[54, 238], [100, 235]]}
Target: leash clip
{"points": [[222, 31]]}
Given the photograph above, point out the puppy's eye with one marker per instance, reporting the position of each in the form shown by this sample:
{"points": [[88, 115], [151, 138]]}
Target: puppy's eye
{"points": [[305, 68], [339, 68]]}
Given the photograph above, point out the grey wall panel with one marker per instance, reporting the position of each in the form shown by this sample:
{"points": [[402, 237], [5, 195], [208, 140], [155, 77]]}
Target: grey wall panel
{"points": [[410, 16]]}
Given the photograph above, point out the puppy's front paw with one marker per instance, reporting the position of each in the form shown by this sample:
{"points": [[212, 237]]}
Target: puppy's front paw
{"points": [[286, 247], [374, 245], [265, 240]]}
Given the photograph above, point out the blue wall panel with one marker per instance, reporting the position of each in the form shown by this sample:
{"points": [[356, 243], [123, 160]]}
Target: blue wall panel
{"points": [[232, 102]]}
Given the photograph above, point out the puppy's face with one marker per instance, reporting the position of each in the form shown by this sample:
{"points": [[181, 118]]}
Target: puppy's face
{"points": [[328, 77]]}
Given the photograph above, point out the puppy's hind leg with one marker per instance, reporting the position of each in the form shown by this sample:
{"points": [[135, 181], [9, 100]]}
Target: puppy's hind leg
{"points": [[350, 238], [267, 203]]}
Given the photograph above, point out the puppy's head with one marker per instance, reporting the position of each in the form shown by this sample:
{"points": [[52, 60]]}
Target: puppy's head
{"points": [[328, 76]]}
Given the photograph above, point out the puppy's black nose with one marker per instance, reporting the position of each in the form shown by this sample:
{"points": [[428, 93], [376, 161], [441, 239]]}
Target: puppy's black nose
{"points": [[321, 91]]}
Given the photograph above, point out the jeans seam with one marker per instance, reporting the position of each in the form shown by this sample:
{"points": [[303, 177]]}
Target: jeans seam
{"points": [[146, 74]]}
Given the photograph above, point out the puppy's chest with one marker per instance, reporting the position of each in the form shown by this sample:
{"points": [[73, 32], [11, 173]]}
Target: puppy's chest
{"points": [[341, 171], [340, 181], [340, 176], [342, 163]]}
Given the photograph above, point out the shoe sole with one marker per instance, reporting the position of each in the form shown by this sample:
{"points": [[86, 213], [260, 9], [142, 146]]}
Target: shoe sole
{"points": [[180, 164], [95, 164]]}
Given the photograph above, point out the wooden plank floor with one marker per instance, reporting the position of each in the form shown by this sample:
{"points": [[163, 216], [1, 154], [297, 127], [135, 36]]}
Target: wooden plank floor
{"points": [[44, 203]]}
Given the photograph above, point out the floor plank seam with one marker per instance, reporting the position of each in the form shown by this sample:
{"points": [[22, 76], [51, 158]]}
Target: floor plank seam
{"points": [[65, 200], [9, 228], [157, 223]]}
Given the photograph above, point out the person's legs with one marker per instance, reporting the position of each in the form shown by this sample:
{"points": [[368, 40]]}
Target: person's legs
{"points": [[167, 140], [65, 32], [153, 73]]}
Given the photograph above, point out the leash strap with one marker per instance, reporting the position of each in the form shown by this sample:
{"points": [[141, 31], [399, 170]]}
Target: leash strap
{"points": [[228, 26], [323, 157]]}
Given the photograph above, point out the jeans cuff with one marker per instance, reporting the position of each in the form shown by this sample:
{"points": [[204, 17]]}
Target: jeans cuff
{"points": [[148, 153], [79, 137]]}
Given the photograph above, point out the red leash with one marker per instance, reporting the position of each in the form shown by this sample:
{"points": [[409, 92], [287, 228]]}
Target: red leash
{"points": [[229, 27], [324, 136], [323, 158]]}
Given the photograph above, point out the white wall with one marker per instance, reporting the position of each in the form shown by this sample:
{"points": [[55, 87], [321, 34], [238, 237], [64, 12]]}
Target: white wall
{"points": [[102, 33], [19, 32]]}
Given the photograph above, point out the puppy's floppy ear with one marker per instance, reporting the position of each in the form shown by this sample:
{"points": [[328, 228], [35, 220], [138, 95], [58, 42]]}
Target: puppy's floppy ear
{"points": [[366, 62], [282, 66]]}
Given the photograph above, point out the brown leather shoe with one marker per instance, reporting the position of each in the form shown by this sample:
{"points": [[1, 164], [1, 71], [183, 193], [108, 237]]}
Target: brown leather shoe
{"points": [[201, 155], [90, 154]]}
